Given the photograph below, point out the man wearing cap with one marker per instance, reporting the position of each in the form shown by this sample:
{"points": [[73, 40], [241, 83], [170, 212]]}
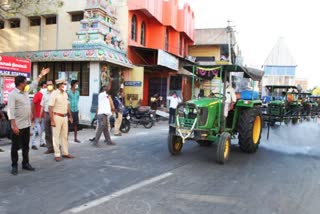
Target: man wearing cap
{"points": [[59, 109]]}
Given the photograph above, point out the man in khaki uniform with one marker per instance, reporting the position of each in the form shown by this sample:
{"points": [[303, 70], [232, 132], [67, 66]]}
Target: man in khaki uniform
{"points": [[59, 109]]}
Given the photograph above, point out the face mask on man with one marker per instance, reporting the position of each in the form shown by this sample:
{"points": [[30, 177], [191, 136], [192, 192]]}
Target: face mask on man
{"points": [[26, 88], [65, 87], [50, 87], [77, 86]]}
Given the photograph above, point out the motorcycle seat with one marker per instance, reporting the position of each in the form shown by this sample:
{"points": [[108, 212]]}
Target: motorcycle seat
{"points": [[143, 109]]}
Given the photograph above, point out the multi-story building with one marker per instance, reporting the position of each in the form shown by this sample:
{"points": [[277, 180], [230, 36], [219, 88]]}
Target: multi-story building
{"points": [[280, 66], [302, 82], [75, 41], [211, 48], [159, 35]]}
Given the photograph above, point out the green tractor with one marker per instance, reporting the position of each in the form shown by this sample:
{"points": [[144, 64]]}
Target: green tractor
{"points": [[282, 105], [309, 104], [203, 119], [315, 99]]}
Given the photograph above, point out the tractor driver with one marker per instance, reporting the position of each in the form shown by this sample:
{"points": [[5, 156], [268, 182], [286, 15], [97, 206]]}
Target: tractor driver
{"points": [[231, 99]]}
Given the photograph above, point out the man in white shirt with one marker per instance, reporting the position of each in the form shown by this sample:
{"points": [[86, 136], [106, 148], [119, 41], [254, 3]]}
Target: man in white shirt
{"points": [[231, 99], [105, 109], [174, 101]]}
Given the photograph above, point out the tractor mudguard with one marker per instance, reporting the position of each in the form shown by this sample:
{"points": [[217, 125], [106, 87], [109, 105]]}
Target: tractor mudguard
{"points": [[248, 103]]}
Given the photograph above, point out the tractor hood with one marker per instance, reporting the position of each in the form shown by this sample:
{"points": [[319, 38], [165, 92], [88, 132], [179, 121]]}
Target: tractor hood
{"points": [[205, 102]]}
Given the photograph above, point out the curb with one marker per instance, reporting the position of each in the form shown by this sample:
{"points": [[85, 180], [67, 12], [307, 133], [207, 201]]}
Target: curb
{"points": [[4, 142]]}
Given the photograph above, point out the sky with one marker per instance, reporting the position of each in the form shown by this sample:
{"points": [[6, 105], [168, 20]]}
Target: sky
{"points": [[260, 23]]}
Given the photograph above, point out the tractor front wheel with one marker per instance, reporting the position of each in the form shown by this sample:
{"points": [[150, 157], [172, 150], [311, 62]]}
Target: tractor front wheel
{"points": [[249, 129], [223, 150], [174, 144]]}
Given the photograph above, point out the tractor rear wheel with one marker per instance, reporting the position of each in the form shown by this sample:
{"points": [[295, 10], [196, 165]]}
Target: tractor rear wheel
{"points": [[223, 149], [249, 129], [174, 144]]}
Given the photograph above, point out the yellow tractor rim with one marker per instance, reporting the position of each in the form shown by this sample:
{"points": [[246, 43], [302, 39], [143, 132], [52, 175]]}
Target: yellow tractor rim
{"points": [[256, 129], [177, 145], [226, 149]]}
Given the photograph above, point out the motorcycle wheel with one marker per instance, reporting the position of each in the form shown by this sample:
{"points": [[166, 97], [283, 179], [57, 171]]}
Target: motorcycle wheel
{"points": [[148, 122], [125, 126]]}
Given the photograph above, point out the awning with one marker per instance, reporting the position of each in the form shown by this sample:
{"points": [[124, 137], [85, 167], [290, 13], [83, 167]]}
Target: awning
{"points": [[252, 73], [95, 55], [185, 72]]}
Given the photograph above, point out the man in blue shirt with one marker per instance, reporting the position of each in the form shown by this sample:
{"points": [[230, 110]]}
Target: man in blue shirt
{"points": [[74, 96]]}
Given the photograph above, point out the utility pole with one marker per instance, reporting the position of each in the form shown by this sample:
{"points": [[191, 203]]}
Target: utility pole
{"points": [[229, 31]]}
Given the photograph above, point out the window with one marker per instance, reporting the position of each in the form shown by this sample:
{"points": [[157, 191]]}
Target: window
{"points": [[166, 44], [181, 46], [1, 24], [84, 78], [35, 21], [76, 17], [134, 28], [14, 23], [143, 34], [70, 70], [52, 20]]}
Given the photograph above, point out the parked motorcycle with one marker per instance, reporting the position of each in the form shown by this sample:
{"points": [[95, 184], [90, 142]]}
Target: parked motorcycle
{"points": [[5, 126], [125, 124], [142, 115]]}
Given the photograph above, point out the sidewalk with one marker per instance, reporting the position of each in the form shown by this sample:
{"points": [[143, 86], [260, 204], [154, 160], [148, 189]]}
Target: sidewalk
{"points": [[4, 141], [86, 133]]}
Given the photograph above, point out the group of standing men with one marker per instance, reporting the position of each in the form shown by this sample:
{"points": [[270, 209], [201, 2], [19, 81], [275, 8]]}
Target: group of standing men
{"points": [[51, 111]]}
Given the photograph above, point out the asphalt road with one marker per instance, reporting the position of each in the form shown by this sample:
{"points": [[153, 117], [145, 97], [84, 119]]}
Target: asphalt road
{"points": [[139, 176]]}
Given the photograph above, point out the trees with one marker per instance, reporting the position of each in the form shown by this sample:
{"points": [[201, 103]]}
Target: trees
{"points": [[13, 8]]}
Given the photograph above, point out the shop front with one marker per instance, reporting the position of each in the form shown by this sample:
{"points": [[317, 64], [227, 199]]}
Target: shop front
{"points": [[9, 68], [86, 66], [157, 72]]}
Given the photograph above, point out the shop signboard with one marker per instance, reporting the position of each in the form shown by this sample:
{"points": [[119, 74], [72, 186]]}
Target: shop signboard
{"points": [[133, 83], [11, 66], [8, 86], [168, 60]]}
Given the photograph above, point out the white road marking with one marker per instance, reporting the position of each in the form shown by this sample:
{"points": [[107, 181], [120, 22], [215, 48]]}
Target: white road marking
{"points": [[121, 167], [119, 193]]}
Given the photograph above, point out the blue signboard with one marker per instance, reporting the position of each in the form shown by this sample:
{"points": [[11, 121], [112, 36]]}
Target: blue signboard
{"points": [[133, 83]]}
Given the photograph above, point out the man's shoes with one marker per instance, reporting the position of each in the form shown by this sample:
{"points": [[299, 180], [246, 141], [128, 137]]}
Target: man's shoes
{"points": [[92, 139], [68, 156], [1, 150], [57, 159], [14, 170], [49, 151], [28, 167], [43, 145], [77, 141], [111, 143], [34, 147], [119, 134]]}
